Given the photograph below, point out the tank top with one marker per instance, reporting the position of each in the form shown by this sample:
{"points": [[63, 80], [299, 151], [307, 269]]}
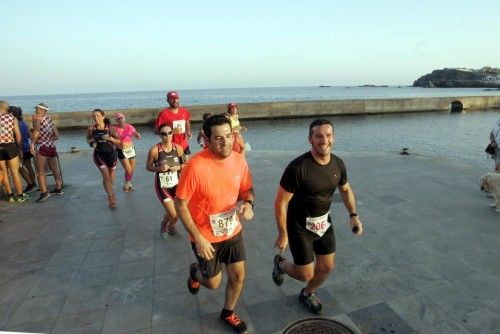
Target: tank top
{"points": [[103, 146], [234, 121], [6, 128], [46, 130], [170, 158]]}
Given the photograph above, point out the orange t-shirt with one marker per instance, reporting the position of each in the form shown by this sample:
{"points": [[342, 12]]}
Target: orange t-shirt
{"points": [[211, 187]]}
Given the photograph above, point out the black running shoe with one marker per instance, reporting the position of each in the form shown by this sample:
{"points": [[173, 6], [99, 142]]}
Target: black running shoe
{"points": [[193, 284], [56, 192], [311, 302], [235, 323], [278, 274], [43, 197], [29, 188]]}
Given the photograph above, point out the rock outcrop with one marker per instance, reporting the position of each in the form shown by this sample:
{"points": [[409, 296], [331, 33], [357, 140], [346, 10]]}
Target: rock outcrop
{"points": [[486, 77]]}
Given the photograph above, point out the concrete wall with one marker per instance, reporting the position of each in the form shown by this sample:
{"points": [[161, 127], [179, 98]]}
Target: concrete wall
{"points": [[298, 109]]}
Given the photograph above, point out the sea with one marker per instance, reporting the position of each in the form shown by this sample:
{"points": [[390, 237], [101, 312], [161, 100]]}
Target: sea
{"points": [[458, 136]]}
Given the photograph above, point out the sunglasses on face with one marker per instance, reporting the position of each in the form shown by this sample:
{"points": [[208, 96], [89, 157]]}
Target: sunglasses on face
{"points": [[164, 134]]}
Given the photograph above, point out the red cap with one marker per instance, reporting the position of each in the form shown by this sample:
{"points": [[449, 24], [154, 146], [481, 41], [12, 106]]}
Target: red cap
{"points": [[231, 105], [172, 95]]}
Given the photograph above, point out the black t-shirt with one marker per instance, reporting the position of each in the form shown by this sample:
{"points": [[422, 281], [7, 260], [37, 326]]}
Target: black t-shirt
{"points": [[312, 186]]}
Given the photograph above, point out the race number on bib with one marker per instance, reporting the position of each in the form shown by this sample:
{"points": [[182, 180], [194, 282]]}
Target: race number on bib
{"points": [[318, 225], [129, 152], [224, 223], [179, 126], [168, 179]]}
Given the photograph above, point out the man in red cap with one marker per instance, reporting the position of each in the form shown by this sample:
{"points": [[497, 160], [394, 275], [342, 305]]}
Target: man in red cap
{"points": [[179, 118]]}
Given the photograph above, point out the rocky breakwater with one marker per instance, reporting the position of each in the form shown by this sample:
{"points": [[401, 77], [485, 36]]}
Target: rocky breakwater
{"points": [[487, 77]]}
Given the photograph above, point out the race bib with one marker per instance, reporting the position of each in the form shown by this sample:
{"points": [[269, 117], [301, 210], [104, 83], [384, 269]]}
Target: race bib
{"points": [[129, 152], [179, 126], [168, 179], [224, 223], [318, 225]]}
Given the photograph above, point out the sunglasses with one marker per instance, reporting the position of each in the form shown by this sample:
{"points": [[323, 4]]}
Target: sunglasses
{"points": [[164, 134]]}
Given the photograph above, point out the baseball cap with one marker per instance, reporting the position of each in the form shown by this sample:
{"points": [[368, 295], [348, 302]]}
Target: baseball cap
{"points": [[231, 105], [119, 115], [172, 95], [42, 106]]}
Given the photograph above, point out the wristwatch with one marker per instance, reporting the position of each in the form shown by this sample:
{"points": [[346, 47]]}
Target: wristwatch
{"points": [[354, 214]]}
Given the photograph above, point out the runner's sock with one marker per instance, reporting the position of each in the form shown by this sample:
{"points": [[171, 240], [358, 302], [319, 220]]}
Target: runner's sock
{"points": [[226, 313]]}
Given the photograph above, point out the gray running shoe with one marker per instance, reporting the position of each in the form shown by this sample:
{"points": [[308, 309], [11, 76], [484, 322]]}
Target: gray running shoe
{"points": [[311, 301], [22, 198], [43, 197], [172, 231], [278, 274], [163, 231], [130, 186]]}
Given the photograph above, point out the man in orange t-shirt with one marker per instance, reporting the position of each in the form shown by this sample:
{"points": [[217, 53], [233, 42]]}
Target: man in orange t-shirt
{"points": [[206, 200]]}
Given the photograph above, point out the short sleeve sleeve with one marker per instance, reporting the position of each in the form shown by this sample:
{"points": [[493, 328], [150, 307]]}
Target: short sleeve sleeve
{"points": [[343, 173], [187, 183], [290, 180], [246, 180]]}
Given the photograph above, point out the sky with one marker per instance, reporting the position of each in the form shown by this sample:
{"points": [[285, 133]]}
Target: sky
{"points": [[52, 47]]}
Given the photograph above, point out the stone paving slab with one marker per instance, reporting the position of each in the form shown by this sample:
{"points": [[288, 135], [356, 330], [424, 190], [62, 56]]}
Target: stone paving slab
{"points": [[428, 262]]}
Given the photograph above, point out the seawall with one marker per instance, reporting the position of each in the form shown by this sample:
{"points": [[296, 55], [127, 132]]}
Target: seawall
{"points": [[276, 110]]}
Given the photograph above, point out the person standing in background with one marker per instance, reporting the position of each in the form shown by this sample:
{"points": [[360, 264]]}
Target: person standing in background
{"points": [[10, 140], [44, 135], [126, 153], [26, 168], [495, 142], [179, 118]]}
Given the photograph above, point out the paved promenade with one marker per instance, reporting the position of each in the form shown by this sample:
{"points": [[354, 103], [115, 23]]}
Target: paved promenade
{"points": [[428, 262]]}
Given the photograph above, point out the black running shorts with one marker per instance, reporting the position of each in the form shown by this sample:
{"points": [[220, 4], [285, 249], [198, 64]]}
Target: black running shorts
{"points": [[227, 251], [304, 244], [8, 151]]}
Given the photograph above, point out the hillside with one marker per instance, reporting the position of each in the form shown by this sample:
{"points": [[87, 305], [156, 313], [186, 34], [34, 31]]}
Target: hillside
{"points": [[487, 77]]}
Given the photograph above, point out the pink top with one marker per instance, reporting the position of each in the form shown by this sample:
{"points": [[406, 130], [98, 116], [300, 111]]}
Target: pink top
{"points": [[125, 134]]}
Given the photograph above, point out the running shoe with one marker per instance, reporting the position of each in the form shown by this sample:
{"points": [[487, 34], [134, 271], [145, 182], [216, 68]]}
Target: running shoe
{"points": [[163, 230], [43, 197], [11, 198], [112, 202], [22, 198], [56, 192], [192, 283], [125, 187], [29, 188], [172, 231], [235, 323], [278, 274], [130, 186], [311, 301]]}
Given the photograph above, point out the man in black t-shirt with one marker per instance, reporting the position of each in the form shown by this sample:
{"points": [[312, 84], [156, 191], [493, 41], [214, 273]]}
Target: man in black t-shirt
{"points": [[302, 210]]}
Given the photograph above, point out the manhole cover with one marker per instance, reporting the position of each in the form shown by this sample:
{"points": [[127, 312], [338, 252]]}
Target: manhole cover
{"points": [[317, 326]]}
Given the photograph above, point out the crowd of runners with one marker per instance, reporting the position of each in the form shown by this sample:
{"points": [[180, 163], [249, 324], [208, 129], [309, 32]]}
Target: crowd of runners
{"points": [[210, 192]]}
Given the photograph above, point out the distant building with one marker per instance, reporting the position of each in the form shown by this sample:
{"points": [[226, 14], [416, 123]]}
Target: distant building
{"points": [[492, 78]]}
